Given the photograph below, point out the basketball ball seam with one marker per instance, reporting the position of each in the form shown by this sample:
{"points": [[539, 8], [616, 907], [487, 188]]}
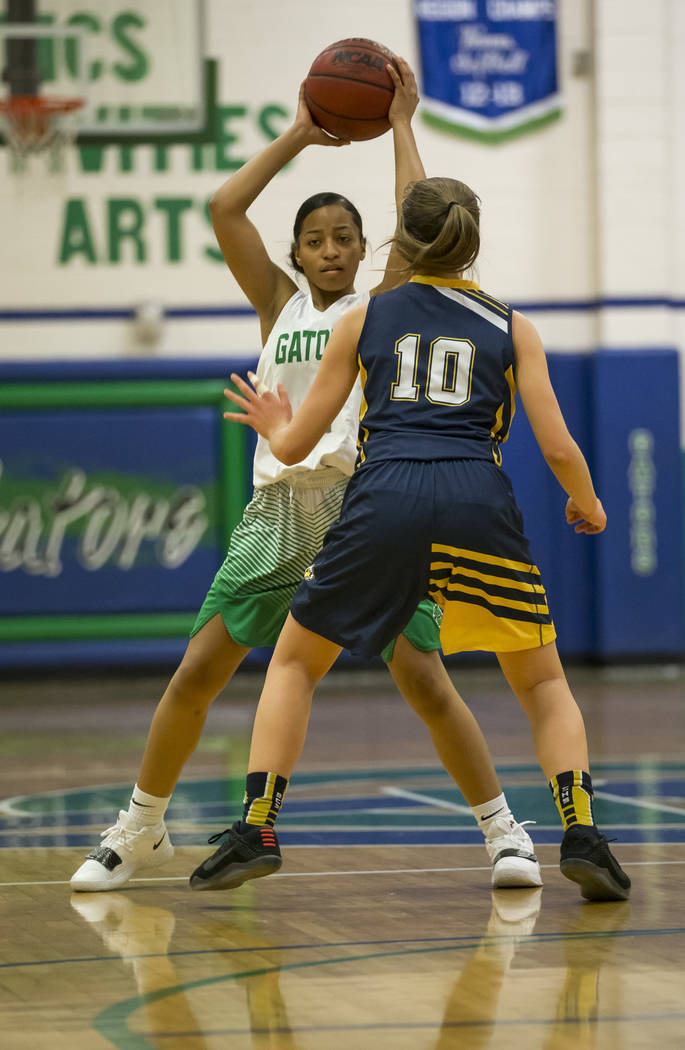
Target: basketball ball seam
{"points": [[364, 120], [351, 80]]}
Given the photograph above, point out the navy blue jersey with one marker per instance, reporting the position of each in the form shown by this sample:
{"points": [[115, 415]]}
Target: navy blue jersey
{"points": [[436, 360]]}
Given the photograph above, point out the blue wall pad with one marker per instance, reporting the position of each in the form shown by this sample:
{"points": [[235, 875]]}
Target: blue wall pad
{"points": [[565, 560], [638, 478]]}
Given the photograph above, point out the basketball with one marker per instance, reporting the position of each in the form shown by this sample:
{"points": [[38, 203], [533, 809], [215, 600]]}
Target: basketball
{"points": [[348, 89]]}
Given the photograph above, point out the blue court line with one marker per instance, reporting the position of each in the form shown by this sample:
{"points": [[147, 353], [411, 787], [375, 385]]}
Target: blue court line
{"points": [[641, 772], [61, 818], [466, 940], [300, 810]]}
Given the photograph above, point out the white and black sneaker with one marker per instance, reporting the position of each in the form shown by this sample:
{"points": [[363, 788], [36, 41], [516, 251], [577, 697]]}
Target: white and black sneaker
{"points": [[512, 854], [125, 848]]}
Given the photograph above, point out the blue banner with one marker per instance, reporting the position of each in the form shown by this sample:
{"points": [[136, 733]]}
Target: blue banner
{"points": [[488, 67]]}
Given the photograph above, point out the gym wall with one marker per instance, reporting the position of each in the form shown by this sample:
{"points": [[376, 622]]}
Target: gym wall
{"points": [[114, 261]]}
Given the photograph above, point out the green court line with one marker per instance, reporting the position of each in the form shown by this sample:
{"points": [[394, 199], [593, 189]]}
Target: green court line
{"points": [[112, 1022]]}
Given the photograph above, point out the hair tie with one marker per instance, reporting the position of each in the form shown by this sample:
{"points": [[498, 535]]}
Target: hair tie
{"points": [[450, 206]]}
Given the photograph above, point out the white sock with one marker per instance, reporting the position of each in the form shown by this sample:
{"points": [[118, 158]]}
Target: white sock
{"points": [[488, 812], [146, 810]]}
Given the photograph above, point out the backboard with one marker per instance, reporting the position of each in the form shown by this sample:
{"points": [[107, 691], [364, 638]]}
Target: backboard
{"points": [[140, 67]]}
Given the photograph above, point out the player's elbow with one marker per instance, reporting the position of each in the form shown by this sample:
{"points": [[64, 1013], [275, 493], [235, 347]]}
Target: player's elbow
{"points": [[558, 456], [220, 204], [288, 452], [215, 203], [289, 457]]}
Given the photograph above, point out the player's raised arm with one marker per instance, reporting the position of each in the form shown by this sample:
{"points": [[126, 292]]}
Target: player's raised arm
{"points": [[408, 163], [265, 284], [561, 452], [293, 437]]}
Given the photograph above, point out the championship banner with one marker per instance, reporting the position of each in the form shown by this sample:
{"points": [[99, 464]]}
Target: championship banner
{"points": [[488, 67]]}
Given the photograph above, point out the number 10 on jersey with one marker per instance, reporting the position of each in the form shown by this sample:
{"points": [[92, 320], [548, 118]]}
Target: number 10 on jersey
{"points": [[450, 365]]}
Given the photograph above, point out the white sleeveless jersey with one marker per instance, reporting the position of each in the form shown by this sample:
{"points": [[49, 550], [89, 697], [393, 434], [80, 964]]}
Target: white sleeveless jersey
{"points": [[291, 356]]}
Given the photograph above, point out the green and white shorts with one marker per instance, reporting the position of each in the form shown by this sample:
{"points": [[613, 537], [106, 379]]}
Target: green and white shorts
{"points": [[282, 529]]}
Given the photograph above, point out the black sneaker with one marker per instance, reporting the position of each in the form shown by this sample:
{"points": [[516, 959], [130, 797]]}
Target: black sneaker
{"points": [[587, 860], [239, 858]]}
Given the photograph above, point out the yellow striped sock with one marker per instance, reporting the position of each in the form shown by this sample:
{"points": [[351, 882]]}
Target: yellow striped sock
{"points": [[264, 794], [573, 797]]}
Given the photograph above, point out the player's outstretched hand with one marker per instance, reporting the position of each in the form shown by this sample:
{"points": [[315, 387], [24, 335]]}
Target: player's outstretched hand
{"points": [[264, 412], [590, 523], [315, 135], [406, 97]]}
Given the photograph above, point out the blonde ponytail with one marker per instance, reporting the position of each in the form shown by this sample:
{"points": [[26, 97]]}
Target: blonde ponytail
{"points": [[438, 230]]}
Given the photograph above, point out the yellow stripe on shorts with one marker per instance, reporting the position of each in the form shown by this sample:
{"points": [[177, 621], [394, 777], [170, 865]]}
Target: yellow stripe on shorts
{"points": [[492, 617]]}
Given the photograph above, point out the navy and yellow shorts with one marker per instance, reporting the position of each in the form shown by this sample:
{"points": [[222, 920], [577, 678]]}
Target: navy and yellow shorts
{"points": [[281, 531], [448, 529]]}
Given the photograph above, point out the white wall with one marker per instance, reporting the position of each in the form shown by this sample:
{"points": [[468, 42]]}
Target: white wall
{"points": [[589, 207]]}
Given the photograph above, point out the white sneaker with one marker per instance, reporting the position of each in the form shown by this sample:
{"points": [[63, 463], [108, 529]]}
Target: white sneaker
{"points": [[124, 849], [512, 854]]}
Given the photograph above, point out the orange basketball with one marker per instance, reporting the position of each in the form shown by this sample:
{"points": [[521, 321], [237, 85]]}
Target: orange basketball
{"points": [[349, 90]]}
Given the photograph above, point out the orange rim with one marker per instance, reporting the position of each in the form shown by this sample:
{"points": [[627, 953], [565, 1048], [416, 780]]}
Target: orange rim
{"points": [[23, 105]]}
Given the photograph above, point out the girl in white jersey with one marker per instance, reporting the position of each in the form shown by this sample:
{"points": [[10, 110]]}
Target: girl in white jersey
{"points": [[284, 525]]}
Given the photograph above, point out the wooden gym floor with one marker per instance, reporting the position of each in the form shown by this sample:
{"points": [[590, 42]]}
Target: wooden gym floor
{"points": [[381, 930]]}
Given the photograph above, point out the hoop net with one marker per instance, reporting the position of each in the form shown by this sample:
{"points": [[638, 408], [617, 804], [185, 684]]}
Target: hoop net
{"points": [[39, 124]]}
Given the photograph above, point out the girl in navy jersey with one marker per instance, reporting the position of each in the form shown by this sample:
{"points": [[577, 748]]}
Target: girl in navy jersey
{"points": [[293, 506], [428, 511]]}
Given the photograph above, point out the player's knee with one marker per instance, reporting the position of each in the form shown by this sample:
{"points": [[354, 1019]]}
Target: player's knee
{"points": [[528, 669], [196, 682], [421, 679], [297, 668]]}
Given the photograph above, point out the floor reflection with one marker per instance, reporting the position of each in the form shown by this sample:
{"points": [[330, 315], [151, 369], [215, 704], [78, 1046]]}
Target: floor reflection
{"points": [[585, 952], [480, 1003], [141, 935], [470, 1013]]}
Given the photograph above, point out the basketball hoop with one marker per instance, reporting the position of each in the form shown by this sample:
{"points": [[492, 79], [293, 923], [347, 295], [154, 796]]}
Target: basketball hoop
{"points": [[39, 124]]}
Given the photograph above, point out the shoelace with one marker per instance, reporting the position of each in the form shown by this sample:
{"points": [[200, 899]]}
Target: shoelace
{"points": [[519, 828], [513, 831], [219, 835], [123, 834]]}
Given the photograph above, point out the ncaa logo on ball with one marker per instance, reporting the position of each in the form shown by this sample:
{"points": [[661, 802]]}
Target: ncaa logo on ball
{"points": [[359, 58]]}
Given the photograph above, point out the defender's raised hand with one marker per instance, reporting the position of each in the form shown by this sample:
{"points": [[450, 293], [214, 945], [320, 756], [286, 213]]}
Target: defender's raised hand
{"points": [[265, 412]]}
